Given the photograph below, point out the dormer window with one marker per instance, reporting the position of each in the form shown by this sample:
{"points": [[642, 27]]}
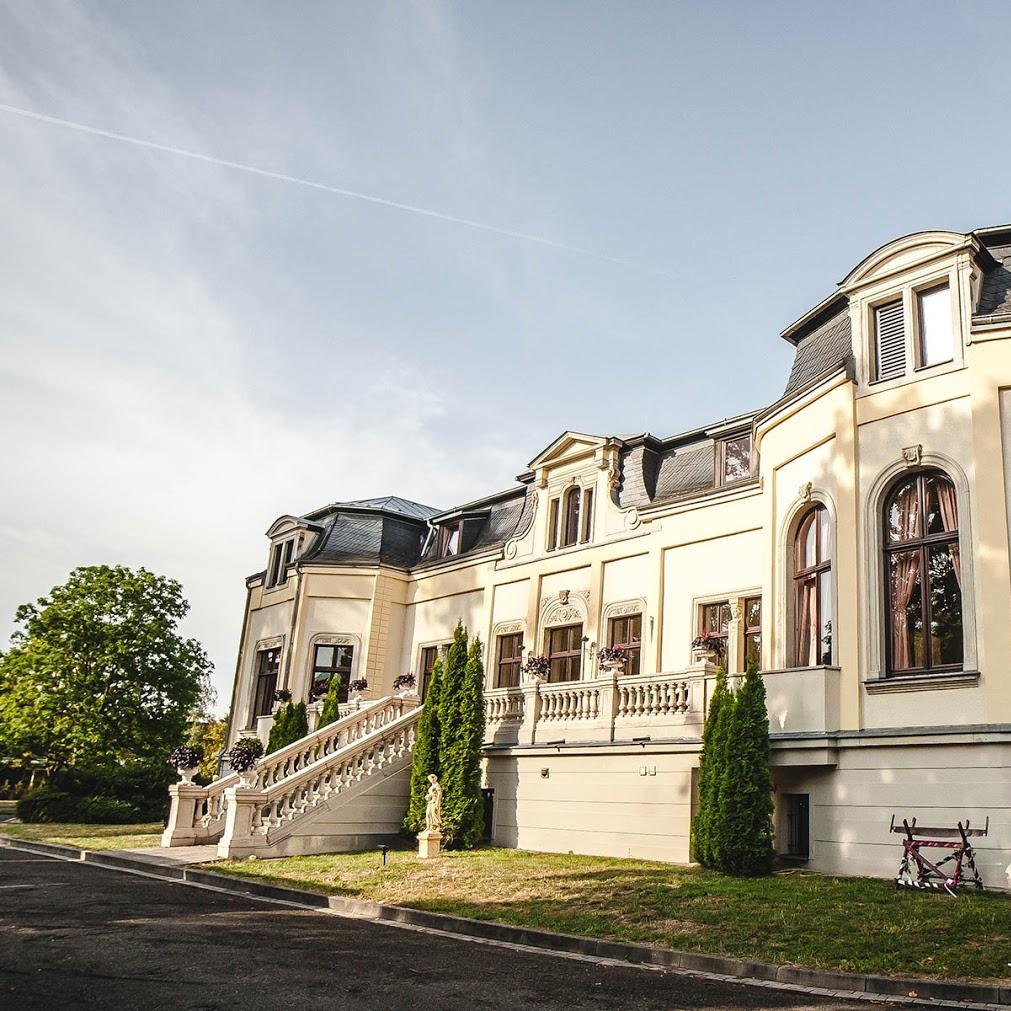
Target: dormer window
{"points": [[570, 518], [733, 458], [449, 539], [280, 558], [928, 341], [933, 313]]}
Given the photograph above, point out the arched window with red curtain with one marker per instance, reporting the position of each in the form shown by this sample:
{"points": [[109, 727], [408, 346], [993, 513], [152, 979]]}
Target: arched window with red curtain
{"points": [[923, 575]]}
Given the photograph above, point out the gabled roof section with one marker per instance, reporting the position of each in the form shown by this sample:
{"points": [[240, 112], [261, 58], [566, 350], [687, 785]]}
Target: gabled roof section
{"points": [[569, 444], [285, 523]]}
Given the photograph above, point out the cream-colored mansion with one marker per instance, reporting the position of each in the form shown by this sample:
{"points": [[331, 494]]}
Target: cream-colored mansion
{"points": [[852, 538]]}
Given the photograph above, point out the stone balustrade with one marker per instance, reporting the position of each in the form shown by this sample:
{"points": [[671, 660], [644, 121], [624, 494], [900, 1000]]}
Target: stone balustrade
{"points": [[199, 813], [260, 819], [611, 707]]}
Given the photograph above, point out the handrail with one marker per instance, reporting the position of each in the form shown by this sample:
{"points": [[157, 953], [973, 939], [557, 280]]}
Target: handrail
{"points": [[286, 801], [210, 803]]}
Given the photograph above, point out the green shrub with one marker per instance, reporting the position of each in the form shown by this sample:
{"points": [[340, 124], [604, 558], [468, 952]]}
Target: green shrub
{"points": [[291, 722], [46, 805], [330, 712]]}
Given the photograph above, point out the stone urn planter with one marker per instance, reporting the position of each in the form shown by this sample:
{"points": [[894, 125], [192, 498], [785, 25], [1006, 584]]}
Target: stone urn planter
{"points": [[186, 761], [244, 757]]}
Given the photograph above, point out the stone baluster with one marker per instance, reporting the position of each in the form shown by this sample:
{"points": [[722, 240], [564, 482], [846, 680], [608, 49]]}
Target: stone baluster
{"points": [[531, 712]]}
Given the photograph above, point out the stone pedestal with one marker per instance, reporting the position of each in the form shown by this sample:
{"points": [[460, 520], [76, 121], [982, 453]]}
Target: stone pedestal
{"points": [[429, 845]]}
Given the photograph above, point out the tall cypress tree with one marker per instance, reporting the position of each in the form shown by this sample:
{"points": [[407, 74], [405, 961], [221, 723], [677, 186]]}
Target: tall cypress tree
{"points": [[279, 729], [711, 761], [742, 836], [426, 752], [463, 804], [451, 774], [330, 712]]}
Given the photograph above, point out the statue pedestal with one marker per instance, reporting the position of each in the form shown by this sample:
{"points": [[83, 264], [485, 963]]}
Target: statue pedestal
{"points": [[429, 845]]}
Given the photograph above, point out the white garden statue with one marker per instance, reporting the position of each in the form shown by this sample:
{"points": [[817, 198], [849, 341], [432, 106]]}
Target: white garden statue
{"points": [[430, 840], [433, 805]]}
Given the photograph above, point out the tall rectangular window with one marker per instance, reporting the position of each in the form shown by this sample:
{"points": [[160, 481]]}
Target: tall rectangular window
{"points": [[715, 619], [752, 631], [449, 539], [934, 318], [428, 657], [795, 822], [889, 341], [626, 632], [331, 662], [565, 652], [268, 664], [510, 656], [553, 525]]}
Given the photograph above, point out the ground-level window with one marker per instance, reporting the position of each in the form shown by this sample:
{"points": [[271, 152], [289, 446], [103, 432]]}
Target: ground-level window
{"points": [[923, 575], [510, 656], [268, 664], [795, 822], [626, 632], [331, 662], [564, 647], [752, 631]]}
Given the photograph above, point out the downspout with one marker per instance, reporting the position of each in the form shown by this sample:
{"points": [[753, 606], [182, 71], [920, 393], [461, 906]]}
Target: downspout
{"points": [[235, 683]]}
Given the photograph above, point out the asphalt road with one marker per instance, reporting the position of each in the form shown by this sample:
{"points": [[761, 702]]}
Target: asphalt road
{"points": [[76, 936]]}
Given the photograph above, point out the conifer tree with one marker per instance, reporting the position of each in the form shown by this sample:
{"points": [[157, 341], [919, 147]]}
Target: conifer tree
{"points": [[742, 833], [290, 723], [460, 756], [425, 759], [330, 712], [279, 728], [453, 677], [710, 767]]}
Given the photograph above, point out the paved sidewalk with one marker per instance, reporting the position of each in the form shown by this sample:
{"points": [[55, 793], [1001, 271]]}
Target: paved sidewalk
{"points": [[75, 935], [170, 856]]}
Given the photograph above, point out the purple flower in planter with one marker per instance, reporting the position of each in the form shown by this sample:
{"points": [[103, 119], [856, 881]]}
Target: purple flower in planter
{"points": [[245, 753], [185, 757], [612, 654], [404, 681], [359, 684], [537, 666], [282, 695]]}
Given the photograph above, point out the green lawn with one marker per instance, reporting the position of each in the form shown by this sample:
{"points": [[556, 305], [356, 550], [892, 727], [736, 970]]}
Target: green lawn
{"points": [[89, 837], [854, 924]]}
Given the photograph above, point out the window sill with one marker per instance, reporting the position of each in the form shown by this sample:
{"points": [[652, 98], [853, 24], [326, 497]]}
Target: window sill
{"points": [[802, 670], [921, 682]]}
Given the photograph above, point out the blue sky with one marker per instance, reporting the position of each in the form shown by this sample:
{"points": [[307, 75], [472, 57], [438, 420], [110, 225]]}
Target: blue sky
{"points": [[188, 350]]}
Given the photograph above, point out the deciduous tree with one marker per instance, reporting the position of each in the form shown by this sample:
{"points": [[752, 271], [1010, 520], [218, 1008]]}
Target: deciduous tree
{"points": [[99, 671]]}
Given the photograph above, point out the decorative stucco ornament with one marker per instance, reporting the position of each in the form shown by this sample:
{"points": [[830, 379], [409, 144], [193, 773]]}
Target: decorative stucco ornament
{"points": [[913, 455]]}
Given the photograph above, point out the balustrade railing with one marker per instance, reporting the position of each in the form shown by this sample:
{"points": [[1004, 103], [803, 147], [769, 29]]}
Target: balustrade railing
{"points": [[642, 697], [287, 800], [503, 705], [570, 701], [199, 813]]}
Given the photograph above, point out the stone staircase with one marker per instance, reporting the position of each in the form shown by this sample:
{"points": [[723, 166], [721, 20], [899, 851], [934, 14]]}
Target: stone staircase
{"points": [[343, 787]]}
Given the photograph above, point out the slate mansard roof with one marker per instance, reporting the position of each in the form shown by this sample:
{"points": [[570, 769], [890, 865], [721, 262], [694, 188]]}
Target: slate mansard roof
{"points": [[653, 472]]}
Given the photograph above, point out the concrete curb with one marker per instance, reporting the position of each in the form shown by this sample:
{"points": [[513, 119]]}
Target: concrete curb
{"points": [[855, 985]]}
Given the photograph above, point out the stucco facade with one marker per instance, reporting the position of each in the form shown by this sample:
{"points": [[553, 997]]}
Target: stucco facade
{"points": [[664, 529]]}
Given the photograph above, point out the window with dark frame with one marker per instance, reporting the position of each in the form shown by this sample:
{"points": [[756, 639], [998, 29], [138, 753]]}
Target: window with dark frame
{"points": [[509, 660], [796, 825], [587, 507], [268, 665], [570, 516], [812, 589], [734, 458], [280, 558], [752, 632], [553, 525], [714, 618], [889, 341], [429, 655], [923, 575], [564, 648], [449, 539], [626, 632], [330, 662]]}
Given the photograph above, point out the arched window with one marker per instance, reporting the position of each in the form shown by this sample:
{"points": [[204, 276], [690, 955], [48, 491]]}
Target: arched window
{"points": [[570, 516], [812, 589], [923, 575]]}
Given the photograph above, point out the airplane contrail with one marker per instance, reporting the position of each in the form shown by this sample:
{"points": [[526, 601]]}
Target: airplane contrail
{"points": [[325, 187]]}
